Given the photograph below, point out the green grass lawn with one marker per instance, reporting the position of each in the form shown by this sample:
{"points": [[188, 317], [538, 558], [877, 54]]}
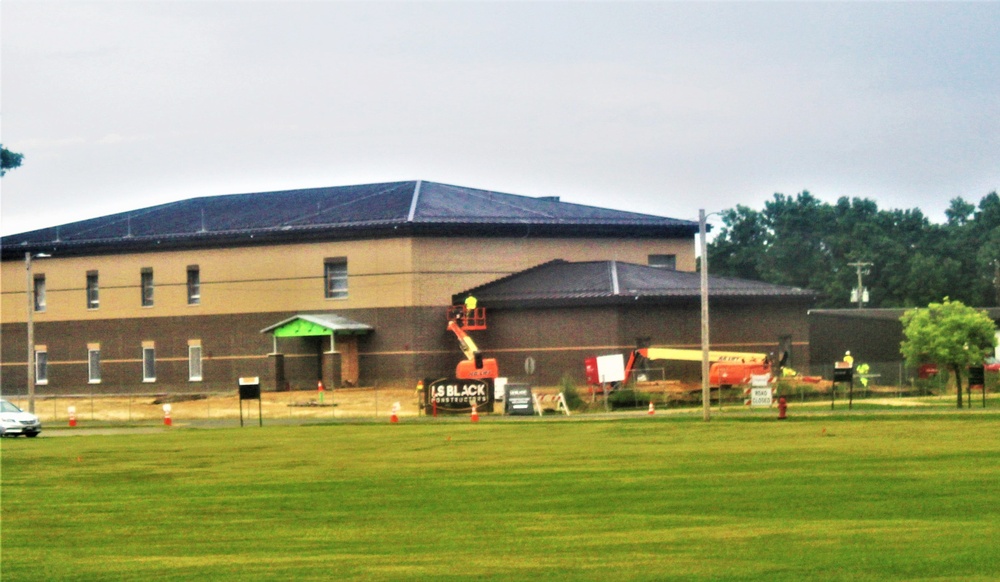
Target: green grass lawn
{"points": [[822, 497]]}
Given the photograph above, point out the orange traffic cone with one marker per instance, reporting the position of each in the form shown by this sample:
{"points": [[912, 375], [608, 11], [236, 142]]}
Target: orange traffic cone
{"points": [[475, 414], [652, 410], [166, 415], [395, 413], [72, 416]]}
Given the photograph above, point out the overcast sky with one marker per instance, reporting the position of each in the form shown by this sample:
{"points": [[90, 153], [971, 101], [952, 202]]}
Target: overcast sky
{"points": [[653, 107]]}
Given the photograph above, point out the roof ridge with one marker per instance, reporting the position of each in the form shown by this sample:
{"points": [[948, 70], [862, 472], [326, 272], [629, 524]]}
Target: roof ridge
{"points": [[413, 203], [512, 275]]}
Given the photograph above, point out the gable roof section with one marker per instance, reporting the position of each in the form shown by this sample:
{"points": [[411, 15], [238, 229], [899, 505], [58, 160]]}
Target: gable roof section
{"points": [[601, 282], [390, 209], [313, 324]]}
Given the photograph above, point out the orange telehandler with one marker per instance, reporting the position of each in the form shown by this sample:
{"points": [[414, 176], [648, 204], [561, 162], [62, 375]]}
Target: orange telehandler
{"points": [[727, 368]]}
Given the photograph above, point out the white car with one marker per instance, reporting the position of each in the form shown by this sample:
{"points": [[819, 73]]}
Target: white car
{"points": [[14, 421]]}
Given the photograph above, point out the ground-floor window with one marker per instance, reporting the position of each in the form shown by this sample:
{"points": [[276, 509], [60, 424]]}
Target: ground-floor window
{"points": [[94, 364], [148, 363], [194, 362], [41, 366]]}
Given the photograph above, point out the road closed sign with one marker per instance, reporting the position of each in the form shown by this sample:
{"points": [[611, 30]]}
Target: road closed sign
{"points": [[760, 397]]}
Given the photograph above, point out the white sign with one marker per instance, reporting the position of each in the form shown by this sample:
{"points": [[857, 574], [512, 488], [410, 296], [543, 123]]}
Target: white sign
{"points": [[499, 388], [760, 380], [611, 368], [760, 397]]}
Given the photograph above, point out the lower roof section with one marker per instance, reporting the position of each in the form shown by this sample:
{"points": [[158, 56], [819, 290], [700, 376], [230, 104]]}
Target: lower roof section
{"points": [[609, 282]]}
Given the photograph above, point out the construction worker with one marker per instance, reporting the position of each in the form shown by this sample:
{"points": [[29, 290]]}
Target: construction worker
{"points": [[849, 358], [470, 303], [420, 395], [863, 369]]}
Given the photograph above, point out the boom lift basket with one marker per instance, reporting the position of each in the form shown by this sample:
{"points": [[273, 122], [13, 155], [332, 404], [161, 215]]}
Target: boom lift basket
{"points": [[468, 319]]}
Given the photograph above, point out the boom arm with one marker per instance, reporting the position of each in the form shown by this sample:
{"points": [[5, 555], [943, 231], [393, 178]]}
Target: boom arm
{"points": [[724, 364], [475, 366]]}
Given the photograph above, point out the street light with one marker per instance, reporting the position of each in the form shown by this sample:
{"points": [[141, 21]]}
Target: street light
{"points": [[30, 292]]}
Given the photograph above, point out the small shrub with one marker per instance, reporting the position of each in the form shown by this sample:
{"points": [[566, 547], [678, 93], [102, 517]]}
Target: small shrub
{"points": [[628, 398], [568, 387]]}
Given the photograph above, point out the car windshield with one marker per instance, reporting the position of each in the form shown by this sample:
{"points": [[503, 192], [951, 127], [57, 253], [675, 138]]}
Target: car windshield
{"points": [[8, 407]]}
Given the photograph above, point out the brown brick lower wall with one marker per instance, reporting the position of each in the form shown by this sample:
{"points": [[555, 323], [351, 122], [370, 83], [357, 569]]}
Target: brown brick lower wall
{"points": [[406, 344]]}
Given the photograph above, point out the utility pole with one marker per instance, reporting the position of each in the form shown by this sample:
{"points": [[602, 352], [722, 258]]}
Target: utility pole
{"points": [[706, 391], [862, 269], [30, 290]]}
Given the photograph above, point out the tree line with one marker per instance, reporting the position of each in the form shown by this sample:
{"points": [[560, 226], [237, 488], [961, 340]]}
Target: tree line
{"points": [[803, 242]]}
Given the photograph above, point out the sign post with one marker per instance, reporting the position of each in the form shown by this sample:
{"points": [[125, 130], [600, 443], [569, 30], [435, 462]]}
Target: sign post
{"points": [[977, 378], [842, 372], [250, 390]]}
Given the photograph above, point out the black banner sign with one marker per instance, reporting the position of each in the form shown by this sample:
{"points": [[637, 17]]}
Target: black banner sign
{"points": [[518, 400], [977, 375], [843, 374], [459, 395]]}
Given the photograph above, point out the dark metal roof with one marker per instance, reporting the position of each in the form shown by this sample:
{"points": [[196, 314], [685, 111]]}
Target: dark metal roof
{"points": [[601, 282], [370, 210]]}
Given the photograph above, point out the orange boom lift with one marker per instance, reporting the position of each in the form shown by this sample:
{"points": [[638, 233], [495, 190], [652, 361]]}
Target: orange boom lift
{"points": [[474, 366]]}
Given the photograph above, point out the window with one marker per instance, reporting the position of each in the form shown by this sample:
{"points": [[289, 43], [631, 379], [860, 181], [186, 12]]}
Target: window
{"points": [[41, 366], [194, 285], [147, 287], [39, 292], [148, 363], [194, 362], [663, 261], [335, 277], [94, 364], [93, 294]]}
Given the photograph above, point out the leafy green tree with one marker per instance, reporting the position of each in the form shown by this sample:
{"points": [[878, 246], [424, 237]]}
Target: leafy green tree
{"points": [[803, 242], [9, 160], [949, 334], [959, 212], [738, 250]]}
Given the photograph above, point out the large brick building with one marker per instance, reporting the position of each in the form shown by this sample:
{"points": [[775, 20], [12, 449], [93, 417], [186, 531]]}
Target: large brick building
{"points": [[346, 284]]}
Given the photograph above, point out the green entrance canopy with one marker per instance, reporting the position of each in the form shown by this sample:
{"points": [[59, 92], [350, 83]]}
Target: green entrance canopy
{"points": [[311, 325]]}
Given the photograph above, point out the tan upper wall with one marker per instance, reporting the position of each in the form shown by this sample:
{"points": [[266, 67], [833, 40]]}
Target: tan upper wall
{"points": [[381, 273], [463, 263]]}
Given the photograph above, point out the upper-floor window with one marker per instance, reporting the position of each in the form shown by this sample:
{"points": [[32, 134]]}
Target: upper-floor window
{"points": [[93, 292], [335, 277], [663, 261], [39, 292], [146, 282], [193, 285]]}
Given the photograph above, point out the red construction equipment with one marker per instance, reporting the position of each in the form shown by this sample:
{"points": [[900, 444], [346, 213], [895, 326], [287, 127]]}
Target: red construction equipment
{"points": [[727, 368], [474, 366]]}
